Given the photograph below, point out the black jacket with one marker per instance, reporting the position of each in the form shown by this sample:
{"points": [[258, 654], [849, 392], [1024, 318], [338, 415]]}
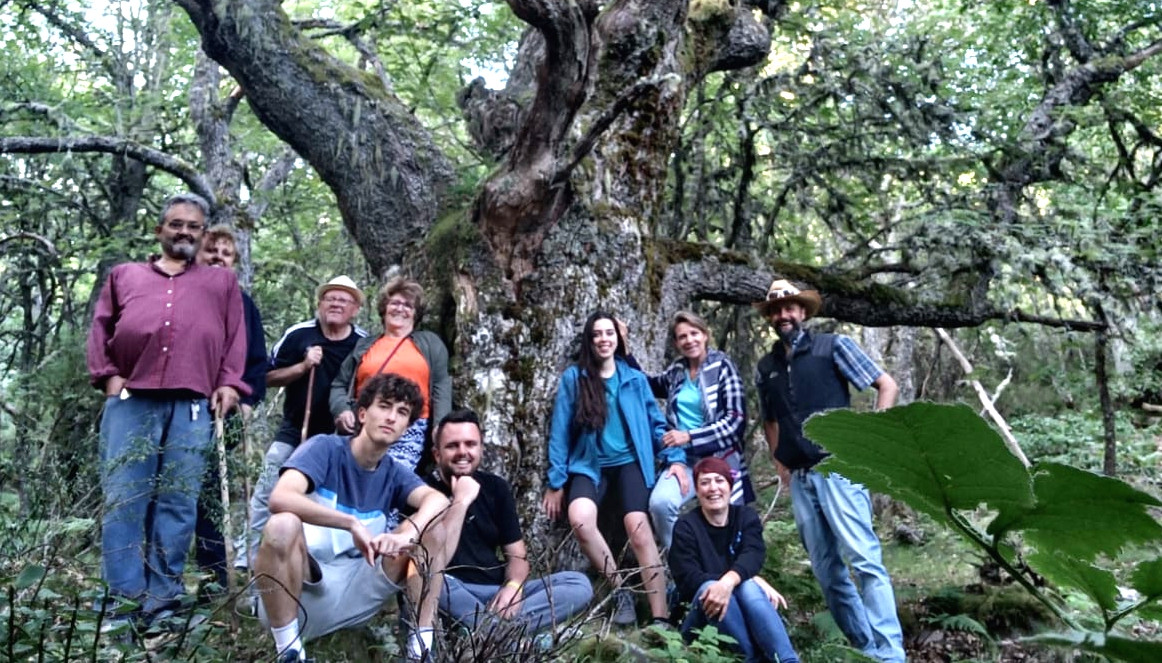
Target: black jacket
{"points": [[702, 552]]}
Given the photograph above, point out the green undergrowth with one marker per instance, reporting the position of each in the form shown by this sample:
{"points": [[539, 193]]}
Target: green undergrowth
{"points": [[956, 602], [1083, 547]]}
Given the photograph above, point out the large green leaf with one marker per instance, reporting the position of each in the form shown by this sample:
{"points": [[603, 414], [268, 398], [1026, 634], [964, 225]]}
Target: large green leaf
{"points": [[1147, 579], [1081, 513], [1099, 584], [934, 457], [1111, 646]]}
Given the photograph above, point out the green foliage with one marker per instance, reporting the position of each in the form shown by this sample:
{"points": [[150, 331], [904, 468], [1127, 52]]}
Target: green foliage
{"points": [[709, 646], [930, 444], [961, 622], [1070, 437], [1070, 517], [1080, 514]]}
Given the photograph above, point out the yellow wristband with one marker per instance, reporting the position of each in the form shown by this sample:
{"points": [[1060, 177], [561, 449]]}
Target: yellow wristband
{"points": [[514, 584]]}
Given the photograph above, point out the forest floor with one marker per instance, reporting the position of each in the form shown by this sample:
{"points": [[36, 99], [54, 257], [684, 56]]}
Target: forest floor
{"points": [[953, 607]]}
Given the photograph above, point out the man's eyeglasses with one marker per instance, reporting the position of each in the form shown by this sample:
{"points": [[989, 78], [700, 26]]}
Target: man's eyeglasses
{"points": [[341, 301], [401, 303], [192, 226]]}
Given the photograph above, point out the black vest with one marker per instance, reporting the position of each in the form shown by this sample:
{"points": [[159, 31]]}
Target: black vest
{"points": [[790, 393]]}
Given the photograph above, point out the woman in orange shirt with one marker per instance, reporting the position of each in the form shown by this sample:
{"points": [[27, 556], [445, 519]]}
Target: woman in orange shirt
{"points": [[417, 355]]}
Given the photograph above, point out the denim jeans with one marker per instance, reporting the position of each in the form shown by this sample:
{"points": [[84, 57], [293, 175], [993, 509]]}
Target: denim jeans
{"points": [[666, 502], [751, 619], [276, 455], [835, 523], [565, 594], [153, 454]]}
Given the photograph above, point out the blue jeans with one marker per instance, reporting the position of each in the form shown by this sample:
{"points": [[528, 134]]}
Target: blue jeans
{"points": [[545, 604], [666, 502], [835, 523], [153, 455], [751, 619]]}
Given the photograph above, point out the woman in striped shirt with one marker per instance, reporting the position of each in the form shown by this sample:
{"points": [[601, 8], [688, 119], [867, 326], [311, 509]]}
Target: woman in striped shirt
{"points": [[706, 410]]}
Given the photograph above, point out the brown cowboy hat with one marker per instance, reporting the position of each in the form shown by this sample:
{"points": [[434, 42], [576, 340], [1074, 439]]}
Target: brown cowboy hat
{"points": [[783, 290]]}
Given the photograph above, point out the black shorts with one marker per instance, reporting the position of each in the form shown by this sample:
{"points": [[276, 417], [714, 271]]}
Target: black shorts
{"points": [[620, 482]]}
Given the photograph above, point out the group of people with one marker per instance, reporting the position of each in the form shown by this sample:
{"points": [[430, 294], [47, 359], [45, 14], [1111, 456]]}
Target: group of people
{"points": [[346, 522]]}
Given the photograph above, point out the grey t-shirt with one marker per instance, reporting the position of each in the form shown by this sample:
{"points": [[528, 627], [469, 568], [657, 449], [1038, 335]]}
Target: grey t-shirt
{"points": [[337, 481]]}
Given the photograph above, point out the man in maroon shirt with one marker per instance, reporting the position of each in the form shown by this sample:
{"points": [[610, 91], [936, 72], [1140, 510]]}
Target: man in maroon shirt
{"points": [[168, 347]]}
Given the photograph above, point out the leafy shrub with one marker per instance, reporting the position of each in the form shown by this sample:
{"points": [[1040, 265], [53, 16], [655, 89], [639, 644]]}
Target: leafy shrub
{"points": [[947, 462]]}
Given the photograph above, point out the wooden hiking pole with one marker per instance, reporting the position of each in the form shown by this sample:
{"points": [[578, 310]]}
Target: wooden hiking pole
{"points": [[307, 412], [224, 484], [246, 500]]}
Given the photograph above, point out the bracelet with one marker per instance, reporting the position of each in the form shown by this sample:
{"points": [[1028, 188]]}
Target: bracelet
{"points": [[515, 585]]}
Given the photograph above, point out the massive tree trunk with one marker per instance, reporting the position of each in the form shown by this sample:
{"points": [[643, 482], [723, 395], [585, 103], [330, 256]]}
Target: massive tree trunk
{"points": [[568, 221], [563, 226]]}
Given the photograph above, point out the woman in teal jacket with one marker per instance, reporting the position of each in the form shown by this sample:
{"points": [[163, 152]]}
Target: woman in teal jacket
{"points": [[606, 433]]}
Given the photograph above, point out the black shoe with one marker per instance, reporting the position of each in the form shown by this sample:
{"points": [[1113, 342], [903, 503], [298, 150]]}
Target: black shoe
{"points": [[292, 656]]}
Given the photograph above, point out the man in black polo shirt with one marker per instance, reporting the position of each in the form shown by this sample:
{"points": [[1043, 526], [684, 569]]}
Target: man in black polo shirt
{"points": [[306, 359], [477, 582]]}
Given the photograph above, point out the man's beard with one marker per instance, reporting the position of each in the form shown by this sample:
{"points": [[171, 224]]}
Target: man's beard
{"points": [[181, 250], [788, 334]]}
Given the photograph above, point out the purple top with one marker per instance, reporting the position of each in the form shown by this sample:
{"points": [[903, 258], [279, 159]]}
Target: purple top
{"points": [[181, 332]]}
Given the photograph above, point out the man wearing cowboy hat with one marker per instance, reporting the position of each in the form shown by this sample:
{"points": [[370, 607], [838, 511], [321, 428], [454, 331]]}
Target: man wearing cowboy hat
{"points": [[305, 360], [805, 373]]}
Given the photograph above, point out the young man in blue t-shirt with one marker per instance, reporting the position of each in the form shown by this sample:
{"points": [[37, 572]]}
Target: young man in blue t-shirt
{"points": [[326, 561]]}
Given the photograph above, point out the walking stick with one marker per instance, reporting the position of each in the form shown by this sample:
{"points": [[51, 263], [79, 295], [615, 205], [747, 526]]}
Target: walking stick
{"points": [[224, 483], [307, 413], [246, 497]]}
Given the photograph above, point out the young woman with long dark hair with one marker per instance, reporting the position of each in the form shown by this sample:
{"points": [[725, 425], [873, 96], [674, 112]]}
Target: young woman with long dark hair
{"points": [[604, 442]]}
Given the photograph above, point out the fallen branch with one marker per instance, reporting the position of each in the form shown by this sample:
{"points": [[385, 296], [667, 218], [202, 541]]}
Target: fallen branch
{"points": [[1010, 441]]}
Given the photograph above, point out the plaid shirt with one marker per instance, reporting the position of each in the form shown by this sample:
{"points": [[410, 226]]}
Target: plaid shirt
{"points": [[723, 411], [854, 363], [851, 361]]}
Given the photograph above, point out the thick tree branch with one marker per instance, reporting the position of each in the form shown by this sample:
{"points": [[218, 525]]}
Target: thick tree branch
{"points": [[110, 145], [522, 199], [1043, 148], [212, 123], [687, 272], [364, 144], [604, 121], [49, 247], [1070, 31]]}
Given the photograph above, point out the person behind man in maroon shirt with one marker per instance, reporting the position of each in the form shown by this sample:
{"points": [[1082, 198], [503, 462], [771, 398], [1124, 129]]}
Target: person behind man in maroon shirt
{"points": [[168, 347]]}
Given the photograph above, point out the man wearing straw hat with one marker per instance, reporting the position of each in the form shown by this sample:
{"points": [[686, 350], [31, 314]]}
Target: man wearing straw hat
{"points": [[805, 373], [305, 360]]}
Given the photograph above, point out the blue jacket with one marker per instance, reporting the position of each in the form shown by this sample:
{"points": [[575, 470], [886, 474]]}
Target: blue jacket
{"points": [[574, 451]]}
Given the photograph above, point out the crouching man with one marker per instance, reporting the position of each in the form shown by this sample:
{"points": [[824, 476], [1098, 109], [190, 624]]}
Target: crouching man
{"points": [[478, 583], [325, 561]]}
